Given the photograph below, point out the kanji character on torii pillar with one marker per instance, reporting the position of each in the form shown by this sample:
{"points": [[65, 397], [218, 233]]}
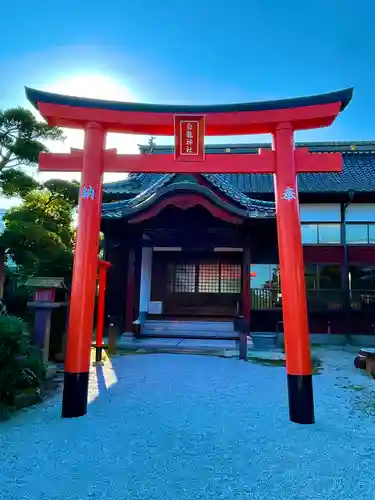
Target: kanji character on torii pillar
{"points": [[190, 124]]}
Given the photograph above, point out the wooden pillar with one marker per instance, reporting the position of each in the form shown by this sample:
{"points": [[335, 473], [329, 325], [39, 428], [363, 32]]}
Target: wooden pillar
{"points": [[130, 290], [137, 281], [345, 270], [102, 268], [245, 329], [246, 283]]}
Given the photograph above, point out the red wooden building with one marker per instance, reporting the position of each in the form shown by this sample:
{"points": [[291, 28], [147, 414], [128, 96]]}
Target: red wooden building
{"points": [[182, 247]]}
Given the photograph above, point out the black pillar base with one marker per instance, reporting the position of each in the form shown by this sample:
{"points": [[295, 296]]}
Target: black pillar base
{"points": [[75, 394], [98, 354], [301, 399]]}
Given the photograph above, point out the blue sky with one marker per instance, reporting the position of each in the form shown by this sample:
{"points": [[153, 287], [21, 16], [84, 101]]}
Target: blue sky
{"points": [[196, 51]]}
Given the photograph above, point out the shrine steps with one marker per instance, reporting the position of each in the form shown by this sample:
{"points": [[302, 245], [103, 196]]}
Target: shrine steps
{"points": [[190, 329]]}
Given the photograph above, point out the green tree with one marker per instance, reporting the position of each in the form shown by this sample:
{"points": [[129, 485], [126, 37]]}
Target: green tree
{"points": [[22, 138], [39, 234]]}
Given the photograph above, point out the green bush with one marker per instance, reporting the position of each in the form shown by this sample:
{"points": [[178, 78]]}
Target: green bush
{"points": [[16, 303], [21, 365]]}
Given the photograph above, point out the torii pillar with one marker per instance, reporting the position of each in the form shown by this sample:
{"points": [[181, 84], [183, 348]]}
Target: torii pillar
{"points": [[189, 125]]}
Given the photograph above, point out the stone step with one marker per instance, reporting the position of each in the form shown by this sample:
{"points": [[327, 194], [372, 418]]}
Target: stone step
{"points": [[187, 327], [190, 322], [184, 325], [189, 333], [216, 329]]}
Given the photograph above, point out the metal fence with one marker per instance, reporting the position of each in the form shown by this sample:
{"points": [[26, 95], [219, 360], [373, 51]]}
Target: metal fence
{"points": [[263, 299]]}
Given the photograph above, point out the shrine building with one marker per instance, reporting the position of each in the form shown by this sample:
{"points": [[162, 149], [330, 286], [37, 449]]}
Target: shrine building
{"points": [[182, 247]]}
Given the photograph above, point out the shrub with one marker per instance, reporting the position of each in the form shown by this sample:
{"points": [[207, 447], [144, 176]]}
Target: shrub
{"points": [[16, 303], [21, 365]]}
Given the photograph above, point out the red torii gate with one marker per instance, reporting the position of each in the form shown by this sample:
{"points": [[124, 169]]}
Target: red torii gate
{"points": [[190, 124]]}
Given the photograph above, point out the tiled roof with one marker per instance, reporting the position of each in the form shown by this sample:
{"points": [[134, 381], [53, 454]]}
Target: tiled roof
{"points": [[358, 173]]}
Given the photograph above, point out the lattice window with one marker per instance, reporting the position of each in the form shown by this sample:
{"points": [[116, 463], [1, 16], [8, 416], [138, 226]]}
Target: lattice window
{"points": [[184, 278], [204, 278], [230, 278], [209, 278]]}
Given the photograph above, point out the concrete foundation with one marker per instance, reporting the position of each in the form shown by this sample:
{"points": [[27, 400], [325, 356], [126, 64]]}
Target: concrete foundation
{"points": [[335, 339]]}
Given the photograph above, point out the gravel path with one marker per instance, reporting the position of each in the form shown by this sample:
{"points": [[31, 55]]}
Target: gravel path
{"points": [[183, 427]]}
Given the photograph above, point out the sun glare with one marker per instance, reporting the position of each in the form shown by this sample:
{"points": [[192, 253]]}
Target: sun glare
{"points": [[96, 86], [93, 85]]}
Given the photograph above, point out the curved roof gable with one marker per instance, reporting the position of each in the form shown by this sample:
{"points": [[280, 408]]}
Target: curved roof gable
{"points": [[236, 202]]}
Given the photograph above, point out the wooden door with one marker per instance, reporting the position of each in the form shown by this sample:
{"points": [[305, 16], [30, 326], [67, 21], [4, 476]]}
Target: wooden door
{"points": [[197, 284]]}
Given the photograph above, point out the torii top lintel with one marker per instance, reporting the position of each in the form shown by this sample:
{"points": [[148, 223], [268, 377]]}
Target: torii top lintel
{"points": [[223, 119]]}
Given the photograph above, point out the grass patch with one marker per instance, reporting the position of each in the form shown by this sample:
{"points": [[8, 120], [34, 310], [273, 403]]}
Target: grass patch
{"points": [[119, 352], [268, 362], [363, 399], [317, 366], [127, 352], [31, 397], [355, 387], [365, 405]]}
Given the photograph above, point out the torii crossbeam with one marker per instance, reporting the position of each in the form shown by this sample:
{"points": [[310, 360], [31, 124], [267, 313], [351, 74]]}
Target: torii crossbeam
{"points": [[189, 125]]}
